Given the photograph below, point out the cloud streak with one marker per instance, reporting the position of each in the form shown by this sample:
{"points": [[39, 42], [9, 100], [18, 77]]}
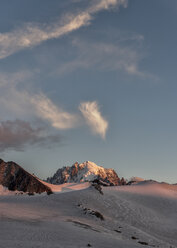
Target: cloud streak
{"points": [[94, 118], [58, 118], [22, 105], [16, 135], [105, 56], [31, 34]]}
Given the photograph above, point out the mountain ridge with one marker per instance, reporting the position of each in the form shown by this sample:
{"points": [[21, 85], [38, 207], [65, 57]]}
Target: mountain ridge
{"points": [[86, 172], [14, 177]]}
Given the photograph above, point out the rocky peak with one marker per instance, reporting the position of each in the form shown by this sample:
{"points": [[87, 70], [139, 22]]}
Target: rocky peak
{"points": [[14, 177], [86, 171]]}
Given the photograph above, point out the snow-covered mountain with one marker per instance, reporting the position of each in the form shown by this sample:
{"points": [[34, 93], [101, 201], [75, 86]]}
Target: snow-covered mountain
{"points": [[14, 177], [86, 172]]}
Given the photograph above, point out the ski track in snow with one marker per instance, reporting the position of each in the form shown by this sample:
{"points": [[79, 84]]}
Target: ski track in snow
{"points": [[147, 212]]}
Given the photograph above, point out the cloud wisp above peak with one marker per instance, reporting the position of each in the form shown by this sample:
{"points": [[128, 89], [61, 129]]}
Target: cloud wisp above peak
{"points": [[94, 118], [60, 119], [21, 108], [31, 34], [57, 117]]}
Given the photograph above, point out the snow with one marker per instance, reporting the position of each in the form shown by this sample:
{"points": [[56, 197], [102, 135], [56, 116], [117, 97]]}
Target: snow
{"points": [[5, 191], [66, 187], [90, 171], [137, 179], [87, 171], [146, 211]]}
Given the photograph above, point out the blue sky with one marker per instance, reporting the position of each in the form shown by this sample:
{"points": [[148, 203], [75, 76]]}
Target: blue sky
{"points": [[89, 80]]}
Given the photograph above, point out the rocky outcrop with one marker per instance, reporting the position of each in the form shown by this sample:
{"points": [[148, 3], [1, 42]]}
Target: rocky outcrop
{"points": [[86, 172], [14, 177]]}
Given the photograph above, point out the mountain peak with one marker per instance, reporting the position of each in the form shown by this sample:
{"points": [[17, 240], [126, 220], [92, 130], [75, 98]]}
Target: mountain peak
{"points": [[85, 172], [14, 177]]}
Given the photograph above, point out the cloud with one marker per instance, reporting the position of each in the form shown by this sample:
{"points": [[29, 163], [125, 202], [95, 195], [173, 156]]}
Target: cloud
{"points": [[20, 104], [12, 79], [14, 99], [93, 117], [99, 5], [58, 118], [31, 34], [16, 135], [105, 56]]}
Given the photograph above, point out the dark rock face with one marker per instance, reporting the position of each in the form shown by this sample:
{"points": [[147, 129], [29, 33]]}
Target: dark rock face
{"points": [[112, 178], [86, 172], [14, 177], [98, 187]]}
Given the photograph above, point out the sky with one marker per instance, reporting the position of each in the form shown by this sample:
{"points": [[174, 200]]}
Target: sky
{"points": [[89, 80]]}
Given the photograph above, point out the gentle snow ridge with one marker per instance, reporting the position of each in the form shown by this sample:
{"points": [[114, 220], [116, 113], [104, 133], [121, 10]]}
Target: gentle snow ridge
{"points": [[133, 215]]}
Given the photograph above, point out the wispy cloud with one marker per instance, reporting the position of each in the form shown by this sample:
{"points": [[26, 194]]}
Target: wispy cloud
{"points": [[58, 118], [94, 118], [12, 79], [21, 105], [16, 135], [14, 100], [31, 34], [105, 56]]}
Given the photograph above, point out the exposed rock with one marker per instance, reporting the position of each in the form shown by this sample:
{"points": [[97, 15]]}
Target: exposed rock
{"points": [[86, 172], [97, 214], [133, 237], [90, 211], [98, 187], [99, 182], [142, 243], [14, 177]]}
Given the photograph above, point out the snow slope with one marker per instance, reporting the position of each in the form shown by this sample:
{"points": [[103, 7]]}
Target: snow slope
{"points": [[66, 187], [132, 215], [136, 179], [5, 191]]}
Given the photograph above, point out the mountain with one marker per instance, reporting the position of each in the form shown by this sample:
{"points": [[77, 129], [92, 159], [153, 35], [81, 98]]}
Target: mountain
{"points": [[135, 180], [86, 172], [14, 177]]}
